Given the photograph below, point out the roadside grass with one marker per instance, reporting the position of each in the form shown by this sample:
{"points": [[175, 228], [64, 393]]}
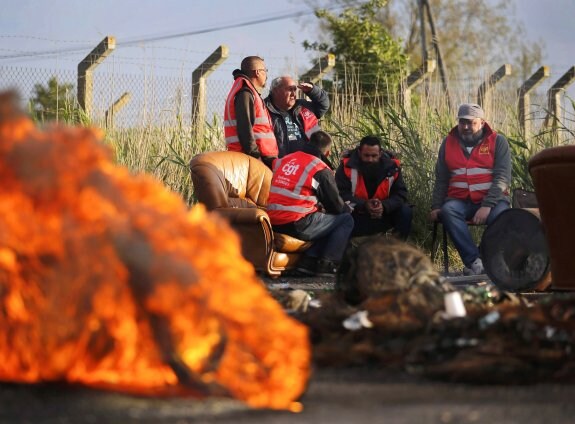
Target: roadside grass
{"points": [[414, 135]]}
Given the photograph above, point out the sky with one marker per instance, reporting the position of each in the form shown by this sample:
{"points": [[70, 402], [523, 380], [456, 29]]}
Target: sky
{"points": [[58, 25], [72, 28]]}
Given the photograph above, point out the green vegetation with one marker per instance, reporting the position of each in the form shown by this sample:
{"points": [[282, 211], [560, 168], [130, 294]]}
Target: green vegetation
{"points": [[414, 135], [56, 101], [372, 61], [361, 43]]}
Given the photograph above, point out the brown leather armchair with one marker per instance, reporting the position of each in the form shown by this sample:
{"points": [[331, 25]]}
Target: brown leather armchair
{"points": [[236, 186]]}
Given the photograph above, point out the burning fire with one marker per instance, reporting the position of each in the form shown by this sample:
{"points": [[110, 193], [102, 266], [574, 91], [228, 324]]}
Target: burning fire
{"points": [[107, 280]]}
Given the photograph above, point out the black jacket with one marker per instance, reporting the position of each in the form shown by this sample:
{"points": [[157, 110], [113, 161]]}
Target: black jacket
{"points": [[387, 167], [319, 105], [326, 191], [245, 118]]}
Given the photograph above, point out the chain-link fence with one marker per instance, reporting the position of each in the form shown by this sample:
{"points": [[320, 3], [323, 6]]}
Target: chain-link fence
{"points": [[160, 98]]}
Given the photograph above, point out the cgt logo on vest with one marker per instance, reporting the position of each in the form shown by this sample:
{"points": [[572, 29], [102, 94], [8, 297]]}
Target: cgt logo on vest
{"points": [[307, 113], [484, 149], [290, 168]]}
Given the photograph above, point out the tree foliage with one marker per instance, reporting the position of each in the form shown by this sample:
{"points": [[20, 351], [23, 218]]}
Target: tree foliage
{"points": [[52, 101], [362, 45], [472, 34]]}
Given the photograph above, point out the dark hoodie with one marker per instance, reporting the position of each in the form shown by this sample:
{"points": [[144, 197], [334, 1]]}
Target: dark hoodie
{"points": [[326, 191], [372, 177]]}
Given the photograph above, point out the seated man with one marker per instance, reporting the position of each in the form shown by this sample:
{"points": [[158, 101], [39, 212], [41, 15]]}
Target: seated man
{"points": [[370, 179], [472, 177], [294, 120], [301, 182]]}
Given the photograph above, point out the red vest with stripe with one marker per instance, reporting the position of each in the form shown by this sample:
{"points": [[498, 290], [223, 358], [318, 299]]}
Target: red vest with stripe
{"points": [[310, 122], [470, 177], [262, 129], [292, 194], [358, 184]]}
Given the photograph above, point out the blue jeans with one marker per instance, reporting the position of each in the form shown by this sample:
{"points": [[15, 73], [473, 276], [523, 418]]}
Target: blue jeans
{"points": [[454, 216], [329, 233]]}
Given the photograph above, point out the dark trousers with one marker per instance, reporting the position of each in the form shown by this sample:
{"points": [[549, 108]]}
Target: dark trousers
{"points": [[330, 233], [399, 220]]}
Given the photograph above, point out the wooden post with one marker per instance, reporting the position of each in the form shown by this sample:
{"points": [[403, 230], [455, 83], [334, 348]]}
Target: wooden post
{"points": [[484, 92], [554, 100], [86, 68], [412, 81], [435, 43], [199, 77], [525, 101], [421, 7], [118, 104], [322, 67]]}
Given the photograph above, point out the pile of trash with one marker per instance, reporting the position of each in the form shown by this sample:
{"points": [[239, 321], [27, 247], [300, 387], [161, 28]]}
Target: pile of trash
{"points": [[425, 326]]}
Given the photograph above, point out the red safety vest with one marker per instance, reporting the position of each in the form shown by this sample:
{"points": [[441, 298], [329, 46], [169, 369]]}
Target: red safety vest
{"points": [[292, 194], [358, 185], [310, 122], [263, 129], [470, 177]]}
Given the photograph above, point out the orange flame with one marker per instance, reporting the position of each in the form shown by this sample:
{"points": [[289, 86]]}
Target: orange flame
{"points": [[108, 280]]}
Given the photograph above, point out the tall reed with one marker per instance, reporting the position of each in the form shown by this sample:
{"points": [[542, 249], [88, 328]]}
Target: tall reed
{"points": [[413, 133]]}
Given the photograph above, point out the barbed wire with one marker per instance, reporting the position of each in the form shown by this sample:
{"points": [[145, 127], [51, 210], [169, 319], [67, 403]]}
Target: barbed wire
{"points": [[161, 37]]}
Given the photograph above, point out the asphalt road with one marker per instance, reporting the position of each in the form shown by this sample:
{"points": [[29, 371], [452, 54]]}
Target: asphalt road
{"points": [[333, 396], [350, 395]]}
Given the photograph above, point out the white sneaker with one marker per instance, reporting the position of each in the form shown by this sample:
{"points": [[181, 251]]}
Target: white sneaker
{"points": [[477, 267]]}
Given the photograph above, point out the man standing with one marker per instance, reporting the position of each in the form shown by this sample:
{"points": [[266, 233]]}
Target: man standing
{"points": [[247, 124], [472, 178], [301, 181], [370, 179], [294, 120]]}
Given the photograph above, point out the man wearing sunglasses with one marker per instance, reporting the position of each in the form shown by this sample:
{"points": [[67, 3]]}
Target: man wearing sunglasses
{"points": [[247, 124]]}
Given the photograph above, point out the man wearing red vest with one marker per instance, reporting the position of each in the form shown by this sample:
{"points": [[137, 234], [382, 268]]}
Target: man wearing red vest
{"points": [[371, 180], [472, 179], [304, 203], [295, 120], [247, 123]]}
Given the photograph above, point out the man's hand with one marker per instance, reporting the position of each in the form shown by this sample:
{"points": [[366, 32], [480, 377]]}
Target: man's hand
{"points": [[348, 207], [434, 215], [305, 87], [374, 208], [481, 215]]}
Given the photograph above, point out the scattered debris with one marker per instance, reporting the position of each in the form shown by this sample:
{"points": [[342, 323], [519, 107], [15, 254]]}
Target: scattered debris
{"points": [[401, 315]]}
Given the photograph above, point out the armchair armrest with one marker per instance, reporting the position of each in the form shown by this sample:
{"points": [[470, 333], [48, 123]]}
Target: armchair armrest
{"points": [[243, 216]]}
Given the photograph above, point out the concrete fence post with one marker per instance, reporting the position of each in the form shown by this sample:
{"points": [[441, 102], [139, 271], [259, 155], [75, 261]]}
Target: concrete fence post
{"points": [[199, 77], [486, 87], [322, 67], [554, 100], [85, 72], [412, 81], [118, 104], [524, 106]]}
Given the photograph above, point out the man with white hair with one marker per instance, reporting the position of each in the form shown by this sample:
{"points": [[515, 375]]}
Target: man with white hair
{"points": [[472, 179], [295, 120]]}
